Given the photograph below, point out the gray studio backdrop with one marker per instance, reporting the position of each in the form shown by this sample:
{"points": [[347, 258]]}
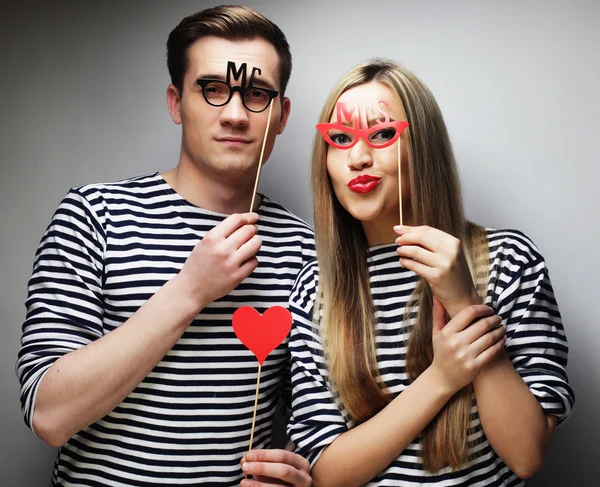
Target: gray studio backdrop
{"points": [[82, 100]]}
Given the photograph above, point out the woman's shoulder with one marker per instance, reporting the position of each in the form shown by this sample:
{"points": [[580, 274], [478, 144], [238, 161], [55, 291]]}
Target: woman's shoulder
{"points": [[512, 245], [304, 291]]}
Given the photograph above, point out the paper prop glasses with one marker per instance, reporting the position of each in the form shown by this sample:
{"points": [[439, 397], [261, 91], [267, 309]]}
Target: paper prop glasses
{"points": [[218, 92], [383, 134]]}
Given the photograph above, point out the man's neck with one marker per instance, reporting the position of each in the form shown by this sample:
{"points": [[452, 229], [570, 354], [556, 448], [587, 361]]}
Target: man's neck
{"points": [[214, 194]]}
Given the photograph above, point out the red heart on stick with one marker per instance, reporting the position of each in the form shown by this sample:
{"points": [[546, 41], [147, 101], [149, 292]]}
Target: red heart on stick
{"points": [[262, 334]]}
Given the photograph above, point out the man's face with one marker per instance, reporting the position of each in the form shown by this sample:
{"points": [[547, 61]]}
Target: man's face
{"points": [[226, 141]]}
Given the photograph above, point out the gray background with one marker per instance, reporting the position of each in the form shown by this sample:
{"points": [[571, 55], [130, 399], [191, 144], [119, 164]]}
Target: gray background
{"points": [[82, 100]]}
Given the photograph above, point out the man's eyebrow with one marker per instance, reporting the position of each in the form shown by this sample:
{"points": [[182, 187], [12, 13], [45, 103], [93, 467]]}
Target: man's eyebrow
{"points": [[219, 77], [257, 82], [263, 83]]}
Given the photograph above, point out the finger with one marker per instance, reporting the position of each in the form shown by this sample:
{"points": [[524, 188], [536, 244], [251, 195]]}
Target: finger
{"points": [[246, 269], [487, 340], [488, 354], [240, 236], [402, 229], [232, 223], [426, 272], [419, 254], [466, 316], [278, 456], [277, 472], [248, 249], [261, 482], [430, 238], [439, 315], [480, 328]]}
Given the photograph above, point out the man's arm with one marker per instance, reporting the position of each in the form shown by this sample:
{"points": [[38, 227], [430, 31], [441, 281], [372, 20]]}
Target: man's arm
{"points": [[86, 384]]}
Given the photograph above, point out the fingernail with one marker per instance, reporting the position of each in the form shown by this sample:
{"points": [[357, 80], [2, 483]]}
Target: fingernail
{"points": [[399, 228], [248, 467], [250, 457], [400, 261], [398, 241]]}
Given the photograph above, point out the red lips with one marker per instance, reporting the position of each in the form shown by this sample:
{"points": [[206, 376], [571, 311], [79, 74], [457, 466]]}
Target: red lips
{"points": [[364, 183]]}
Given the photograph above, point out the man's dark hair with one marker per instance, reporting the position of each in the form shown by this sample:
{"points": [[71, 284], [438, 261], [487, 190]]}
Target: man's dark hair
{"points": [[231, 22]]}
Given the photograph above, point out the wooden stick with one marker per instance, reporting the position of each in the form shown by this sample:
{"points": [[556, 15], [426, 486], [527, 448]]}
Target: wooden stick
{"points": [[400, 179], [262, 151], [255, 406]]}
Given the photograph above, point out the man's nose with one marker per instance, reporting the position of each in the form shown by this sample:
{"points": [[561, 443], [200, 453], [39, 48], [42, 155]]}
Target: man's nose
{"points": [[234, 113], [360, 156]]}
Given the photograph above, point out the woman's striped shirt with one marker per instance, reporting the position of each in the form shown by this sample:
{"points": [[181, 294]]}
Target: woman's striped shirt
{"points": [[107, 250], [519, 291]]}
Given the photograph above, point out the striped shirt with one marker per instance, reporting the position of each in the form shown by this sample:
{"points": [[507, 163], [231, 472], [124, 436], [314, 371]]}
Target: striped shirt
{"points": [[519, 291], [107, 250]]}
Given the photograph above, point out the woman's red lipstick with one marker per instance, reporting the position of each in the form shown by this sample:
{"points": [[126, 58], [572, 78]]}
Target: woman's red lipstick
{"points": [[364, 184]]}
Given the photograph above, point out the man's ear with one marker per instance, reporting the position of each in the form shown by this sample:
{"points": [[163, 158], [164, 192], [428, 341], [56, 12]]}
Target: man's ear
{"points": [[285, 113], [174, 103]]}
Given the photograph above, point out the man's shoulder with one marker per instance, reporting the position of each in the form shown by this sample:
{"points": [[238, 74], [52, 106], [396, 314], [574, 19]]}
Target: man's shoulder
{"points": [[278, 214], [138, 186]]}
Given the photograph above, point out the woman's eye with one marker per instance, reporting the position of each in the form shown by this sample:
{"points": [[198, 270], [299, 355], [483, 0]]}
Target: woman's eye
{"points": [[384, 135], [340, 139]]}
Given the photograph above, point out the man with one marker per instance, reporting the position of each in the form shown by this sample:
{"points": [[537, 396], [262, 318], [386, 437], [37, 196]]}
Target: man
{"points": [[129, 363]]}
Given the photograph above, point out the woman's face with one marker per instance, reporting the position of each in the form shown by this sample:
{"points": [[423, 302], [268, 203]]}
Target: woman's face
{"points": [[365, 178]]}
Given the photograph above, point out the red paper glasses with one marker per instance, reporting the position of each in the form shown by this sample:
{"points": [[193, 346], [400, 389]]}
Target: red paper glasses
{"points": [[378, 137], [383, 134]]}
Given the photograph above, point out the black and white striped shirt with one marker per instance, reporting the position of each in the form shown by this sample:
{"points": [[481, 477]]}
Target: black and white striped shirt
{"points": [[519, 291], [107, 250]]}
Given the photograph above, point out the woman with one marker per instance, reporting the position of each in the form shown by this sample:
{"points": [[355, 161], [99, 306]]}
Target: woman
{"points": [[400, 375]]}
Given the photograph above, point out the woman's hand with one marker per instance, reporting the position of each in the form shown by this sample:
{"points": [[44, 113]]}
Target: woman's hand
{"points": [[465, 344], [439, 258]]}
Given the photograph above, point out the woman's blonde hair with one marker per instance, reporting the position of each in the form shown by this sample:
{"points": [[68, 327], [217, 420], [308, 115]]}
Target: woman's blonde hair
{"points": [[347, 321]]}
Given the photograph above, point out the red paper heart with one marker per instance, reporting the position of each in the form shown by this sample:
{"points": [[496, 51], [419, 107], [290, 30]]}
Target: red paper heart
{"points": [[262, 334]]}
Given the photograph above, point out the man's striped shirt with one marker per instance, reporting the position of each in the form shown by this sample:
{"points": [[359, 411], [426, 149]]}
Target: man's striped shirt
{"points": [[107, 250]]}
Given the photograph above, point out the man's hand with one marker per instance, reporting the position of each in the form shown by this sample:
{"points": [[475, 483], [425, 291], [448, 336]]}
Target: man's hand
{"points": [[271, 468], [222, 259]]}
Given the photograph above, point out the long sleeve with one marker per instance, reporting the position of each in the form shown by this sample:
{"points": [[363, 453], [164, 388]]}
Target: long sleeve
{"points": [[316, 419], [64, 304], [536, 340]]}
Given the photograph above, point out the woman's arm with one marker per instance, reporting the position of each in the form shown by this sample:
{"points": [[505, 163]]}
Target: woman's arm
{"points": [[512, 418], [359, 455], [460, 350], [517, 424]]}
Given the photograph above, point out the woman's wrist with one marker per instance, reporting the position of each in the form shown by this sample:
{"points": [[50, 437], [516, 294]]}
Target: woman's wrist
{"points": [[438, 383], [454, 308]]}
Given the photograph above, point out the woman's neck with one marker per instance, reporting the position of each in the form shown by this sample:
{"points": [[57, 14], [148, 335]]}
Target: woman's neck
{"points": [[381, 231]]}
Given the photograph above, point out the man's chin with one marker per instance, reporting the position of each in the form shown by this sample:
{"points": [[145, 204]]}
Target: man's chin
{"points": [[235, 168]]}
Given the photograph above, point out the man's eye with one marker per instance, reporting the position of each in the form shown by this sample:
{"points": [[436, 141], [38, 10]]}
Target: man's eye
{"points": [[214, 91], [256, 94]]}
